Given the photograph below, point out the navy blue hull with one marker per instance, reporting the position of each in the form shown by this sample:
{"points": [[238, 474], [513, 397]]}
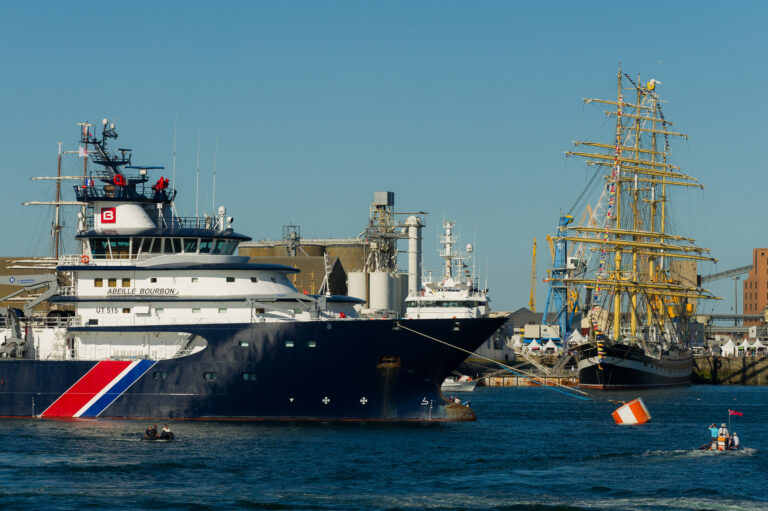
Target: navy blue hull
{"points": [[629, 367], [336, 370]]}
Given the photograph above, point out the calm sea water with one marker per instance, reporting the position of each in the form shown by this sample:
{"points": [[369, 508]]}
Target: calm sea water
{"points": [[531, 449]]}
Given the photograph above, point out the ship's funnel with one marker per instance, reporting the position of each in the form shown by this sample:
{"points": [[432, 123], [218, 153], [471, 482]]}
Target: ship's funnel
{"points": [[414, 254]]}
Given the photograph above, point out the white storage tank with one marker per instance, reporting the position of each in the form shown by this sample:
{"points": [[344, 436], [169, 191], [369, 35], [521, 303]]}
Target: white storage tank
{"points": [[357, 284], [382, 291]]}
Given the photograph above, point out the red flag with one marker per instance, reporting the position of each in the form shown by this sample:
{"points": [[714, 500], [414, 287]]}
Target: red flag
{"points": [[734, 412]]}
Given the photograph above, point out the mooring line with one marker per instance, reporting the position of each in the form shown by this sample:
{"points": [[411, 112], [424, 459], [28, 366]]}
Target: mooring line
{"points": [[503, 366]]}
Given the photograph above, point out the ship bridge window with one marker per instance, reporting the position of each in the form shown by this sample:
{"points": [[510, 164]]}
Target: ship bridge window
{"points": [[219, 247], [120, 247], [99, 248], [232, 247], [146, 244], [171, 245], [157, 246], [135, 244], [205, 245], [190, 245]]}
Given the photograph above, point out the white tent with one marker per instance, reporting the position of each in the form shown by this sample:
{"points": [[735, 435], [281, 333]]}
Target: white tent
{"points": [[744, 344], [534, 346], [576, 338], [757, 344], [728, 348], [550, 345]]}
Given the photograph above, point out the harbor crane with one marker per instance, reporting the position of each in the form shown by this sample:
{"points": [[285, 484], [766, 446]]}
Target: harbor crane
{"points": [[734, 274], [741, 270]]}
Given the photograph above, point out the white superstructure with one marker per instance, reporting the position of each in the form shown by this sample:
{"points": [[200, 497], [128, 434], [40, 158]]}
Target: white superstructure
{"points": [[455, 293], [144, 269]]}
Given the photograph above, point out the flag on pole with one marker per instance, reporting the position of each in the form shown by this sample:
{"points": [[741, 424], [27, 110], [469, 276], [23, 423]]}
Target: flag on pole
{"points": [[82, 152], [734, 412]]}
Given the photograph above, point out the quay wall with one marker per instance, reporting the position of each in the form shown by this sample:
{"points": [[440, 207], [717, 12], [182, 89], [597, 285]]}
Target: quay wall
{"points": [[717, 370], [518, 381]]}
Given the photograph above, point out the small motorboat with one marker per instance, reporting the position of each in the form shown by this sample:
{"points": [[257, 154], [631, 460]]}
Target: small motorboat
{"points": [[460, 384], [164, 436], [719, 445]]}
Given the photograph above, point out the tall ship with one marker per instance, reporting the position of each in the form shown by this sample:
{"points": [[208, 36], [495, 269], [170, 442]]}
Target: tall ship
{"points": [[158, 316], [455, 292], [624, 285]]}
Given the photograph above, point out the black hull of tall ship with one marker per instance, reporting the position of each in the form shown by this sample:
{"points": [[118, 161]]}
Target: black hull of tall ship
{"points": [[318, 370], [629, 367]]}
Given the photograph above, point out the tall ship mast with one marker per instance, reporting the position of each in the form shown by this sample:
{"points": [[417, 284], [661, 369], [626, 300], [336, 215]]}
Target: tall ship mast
{"points": [[631, 278], [158, 316]]}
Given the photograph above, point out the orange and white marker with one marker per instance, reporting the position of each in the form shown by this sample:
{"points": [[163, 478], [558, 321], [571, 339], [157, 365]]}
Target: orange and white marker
{"points": [[633, 412]]}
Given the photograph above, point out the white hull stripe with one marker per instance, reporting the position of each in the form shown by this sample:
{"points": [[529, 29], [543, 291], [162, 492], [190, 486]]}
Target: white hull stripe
{"points": [[115, 388]]}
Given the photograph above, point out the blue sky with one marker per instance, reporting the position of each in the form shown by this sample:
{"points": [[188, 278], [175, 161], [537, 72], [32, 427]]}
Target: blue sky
{"points": [[462, 109]]}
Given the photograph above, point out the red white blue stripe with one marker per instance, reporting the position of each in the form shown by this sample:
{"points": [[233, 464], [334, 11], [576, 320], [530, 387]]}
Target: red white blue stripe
{"points": [[98, 388]]}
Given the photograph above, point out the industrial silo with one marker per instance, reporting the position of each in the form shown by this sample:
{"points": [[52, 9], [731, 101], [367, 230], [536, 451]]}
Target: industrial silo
{"points": [[357, 285], [382, 291]]}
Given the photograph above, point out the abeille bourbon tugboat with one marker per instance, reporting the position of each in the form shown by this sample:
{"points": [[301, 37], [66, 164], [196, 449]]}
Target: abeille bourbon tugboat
{"points": [[158, 317]]}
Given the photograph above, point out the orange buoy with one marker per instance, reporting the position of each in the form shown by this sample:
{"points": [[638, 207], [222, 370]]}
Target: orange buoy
{"points": [[85, 259], [633, 412], [119, 180]]}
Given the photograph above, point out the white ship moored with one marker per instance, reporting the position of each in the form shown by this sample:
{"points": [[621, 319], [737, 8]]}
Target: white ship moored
{"points": [[453, 295]]}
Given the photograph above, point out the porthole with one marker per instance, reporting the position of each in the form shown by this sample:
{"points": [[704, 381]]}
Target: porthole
{"points": [[311, 344], [210, 376], [249, 376], [254, 279], [230, 279], [289, 344], [159, 375], [244, 344]]}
